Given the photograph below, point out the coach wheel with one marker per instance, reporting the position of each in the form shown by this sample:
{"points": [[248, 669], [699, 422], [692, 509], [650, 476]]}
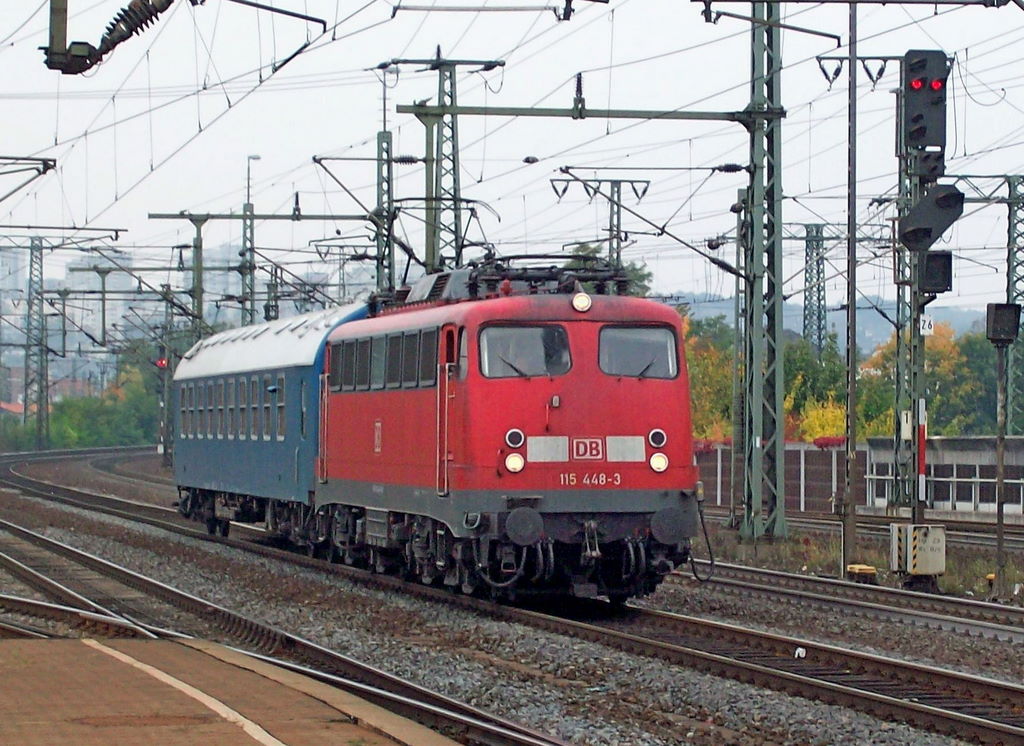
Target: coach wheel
{"points": [[223, 527], [211, 526], [312, 548]]}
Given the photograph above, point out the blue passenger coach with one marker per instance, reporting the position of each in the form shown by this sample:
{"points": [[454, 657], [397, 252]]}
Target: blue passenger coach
{"points": [[247, 414]]}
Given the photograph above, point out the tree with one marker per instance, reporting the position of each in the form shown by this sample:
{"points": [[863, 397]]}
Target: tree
{"points": [[638, 274], [822, 419], [979, 367], [813, 377], [709, 358], [954, 385]]}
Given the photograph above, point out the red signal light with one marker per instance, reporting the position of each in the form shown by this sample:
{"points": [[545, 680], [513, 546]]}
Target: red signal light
{"points": [[160, 362], [937, 84], [917, 84]]}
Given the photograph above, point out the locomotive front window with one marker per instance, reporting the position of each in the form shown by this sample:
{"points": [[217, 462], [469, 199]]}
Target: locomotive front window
{"points": [[638, 352], [524, 351]]}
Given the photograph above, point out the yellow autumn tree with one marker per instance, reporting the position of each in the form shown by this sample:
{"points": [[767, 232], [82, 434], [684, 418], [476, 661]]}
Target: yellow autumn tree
{"points": [[822, 419], [710, 383]]}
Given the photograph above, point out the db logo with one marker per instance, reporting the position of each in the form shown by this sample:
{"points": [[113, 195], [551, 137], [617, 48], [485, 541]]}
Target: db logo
{"points": [[587, 449]]}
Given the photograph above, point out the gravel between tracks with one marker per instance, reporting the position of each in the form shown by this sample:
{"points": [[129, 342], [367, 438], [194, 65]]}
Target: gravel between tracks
{"points": [[583, 692]]}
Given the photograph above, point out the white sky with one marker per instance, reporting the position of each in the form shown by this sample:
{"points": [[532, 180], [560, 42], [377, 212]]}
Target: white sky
{"points": [[132, 137]]}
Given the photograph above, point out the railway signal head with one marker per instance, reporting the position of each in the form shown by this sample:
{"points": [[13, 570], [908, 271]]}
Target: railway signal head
{"points": [[1002, 323], [924, 74], [931, 216]]}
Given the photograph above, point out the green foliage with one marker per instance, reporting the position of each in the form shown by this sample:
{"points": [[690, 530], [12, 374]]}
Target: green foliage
{"points": [[126, 414], [979, 360], [638, 274], [714, 331], [709, 358], [813, 378], [959, 379]]}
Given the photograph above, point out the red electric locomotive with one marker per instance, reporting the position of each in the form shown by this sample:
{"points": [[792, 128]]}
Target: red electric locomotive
{"points": [[504, 429]]}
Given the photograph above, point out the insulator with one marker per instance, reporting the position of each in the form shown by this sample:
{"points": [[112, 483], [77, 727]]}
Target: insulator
{"points": [[131, 20]]}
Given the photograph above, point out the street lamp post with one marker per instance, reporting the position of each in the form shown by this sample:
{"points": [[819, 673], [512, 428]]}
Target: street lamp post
{"points": [[248, 253], [1001, 327]]}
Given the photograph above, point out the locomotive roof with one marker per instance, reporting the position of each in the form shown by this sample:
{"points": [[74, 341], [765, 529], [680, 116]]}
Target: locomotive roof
{"points": [[523, 307], [284, 343]]}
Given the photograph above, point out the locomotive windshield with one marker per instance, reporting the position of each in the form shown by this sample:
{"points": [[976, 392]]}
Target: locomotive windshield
{"points": [[638, 352], [524, 351]]}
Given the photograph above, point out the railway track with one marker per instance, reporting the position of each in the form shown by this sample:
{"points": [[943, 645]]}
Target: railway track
{"points": [[264, 641], [947, 613], [87, 622], [933, 698], [965, 533]]}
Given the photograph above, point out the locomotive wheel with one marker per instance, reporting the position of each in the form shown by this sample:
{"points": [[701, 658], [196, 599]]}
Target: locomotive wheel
{"points": [[618, 599]]}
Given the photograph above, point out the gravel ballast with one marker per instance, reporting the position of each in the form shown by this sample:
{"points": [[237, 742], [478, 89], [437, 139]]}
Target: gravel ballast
{"points": [[581, 691]]}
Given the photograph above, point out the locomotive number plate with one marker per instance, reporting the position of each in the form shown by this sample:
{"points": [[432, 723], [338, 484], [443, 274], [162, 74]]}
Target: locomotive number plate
{"points": [[589, 479]]}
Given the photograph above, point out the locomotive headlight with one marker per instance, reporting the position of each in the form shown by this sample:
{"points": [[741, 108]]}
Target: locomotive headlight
{"points": [[657, 438], [514, 438], [582, 302], [659, 462], [515, 462]]}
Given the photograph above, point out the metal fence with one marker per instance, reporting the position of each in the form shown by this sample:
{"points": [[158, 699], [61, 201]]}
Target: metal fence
{"points": [[960, 475]]}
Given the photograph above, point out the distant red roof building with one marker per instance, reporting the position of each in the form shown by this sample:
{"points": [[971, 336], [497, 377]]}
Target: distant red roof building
{"points": [[12, 409]]}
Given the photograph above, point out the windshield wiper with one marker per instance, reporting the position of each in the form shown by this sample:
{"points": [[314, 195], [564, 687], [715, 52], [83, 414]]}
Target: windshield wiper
{"points": [[516, 368], [646, 367]]}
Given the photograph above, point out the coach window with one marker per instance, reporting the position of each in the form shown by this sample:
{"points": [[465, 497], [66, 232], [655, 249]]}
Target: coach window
{"points": [[334, 375], [428, 357], [229, 407], [363, 364], [183, 431], [378, 355], [281, 422], [348, 366], [266, 408], [524, 351], [410, 367], [394, 362], [188, 392], [197, 416], [254, 408], [220, 409], [243, 410], [302, 408], [211, 404], [638, 352]]}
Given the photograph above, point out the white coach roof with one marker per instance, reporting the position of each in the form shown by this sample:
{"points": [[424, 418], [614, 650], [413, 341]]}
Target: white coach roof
{"points": [[284, 343]]}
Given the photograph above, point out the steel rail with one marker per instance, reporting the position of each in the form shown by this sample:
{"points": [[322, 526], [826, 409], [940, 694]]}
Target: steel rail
{"points": [[999, 621], [898, 687], [424, 705], [106, 626], [960, 532]]}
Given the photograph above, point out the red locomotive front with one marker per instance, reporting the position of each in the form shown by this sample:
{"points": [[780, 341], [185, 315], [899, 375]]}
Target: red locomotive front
{"points": [[528, 442]]}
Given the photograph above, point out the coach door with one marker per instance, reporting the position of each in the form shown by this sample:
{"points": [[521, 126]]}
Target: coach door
{"points": [[445, 398], [321, 455]]}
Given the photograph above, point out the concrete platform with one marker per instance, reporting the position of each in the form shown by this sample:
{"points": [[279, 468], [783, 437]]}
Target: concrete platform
{"points": [[156, 692]]}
